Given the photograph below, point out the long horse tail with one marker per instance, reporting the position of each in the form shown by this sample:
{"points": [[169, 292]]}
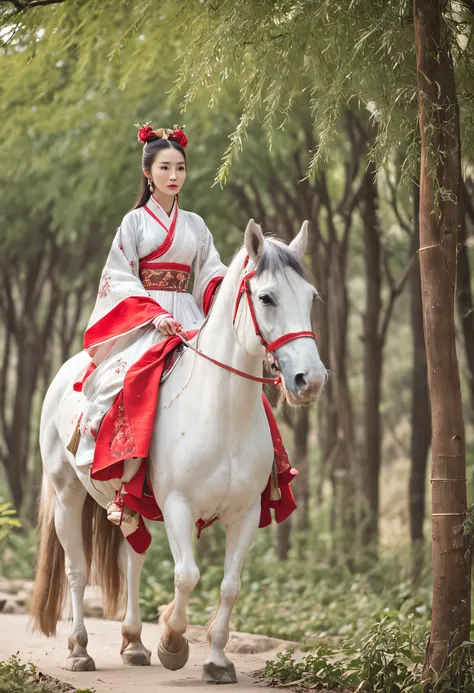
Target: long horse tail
{"points": [[102, 546], [101, 541], [49, 593]]}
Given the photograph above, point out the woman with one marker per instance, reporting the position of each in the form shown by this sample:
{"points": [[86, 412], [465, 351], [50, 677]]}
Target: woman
{"points": [[142, 297], [143, 300]]}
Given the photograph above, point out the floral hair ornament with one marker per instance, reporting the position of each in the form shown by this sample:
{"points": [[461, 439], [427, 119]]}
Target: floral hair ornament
{"points": [[146, 133]]}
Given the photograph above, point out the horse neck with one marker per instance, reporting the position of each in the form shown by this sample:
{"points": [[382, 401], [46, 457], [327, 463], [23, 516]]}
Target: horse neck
{"points": [[218, 337]]}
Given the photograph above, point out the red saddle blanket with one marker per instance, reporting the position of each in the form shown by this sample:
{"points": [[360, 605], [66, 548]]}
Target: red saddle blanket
{"points": [[126, 432]]}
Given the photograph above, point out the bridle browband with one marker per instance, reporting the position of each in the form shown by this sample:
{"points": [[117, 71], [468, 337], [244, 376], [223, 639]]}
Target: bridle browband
{"points": [[269, 347]]}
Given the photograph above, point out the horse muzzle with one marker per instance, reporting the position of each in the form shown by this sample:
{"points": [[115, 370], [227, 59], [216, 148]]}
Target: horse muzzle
{"points": [[305, 387]]}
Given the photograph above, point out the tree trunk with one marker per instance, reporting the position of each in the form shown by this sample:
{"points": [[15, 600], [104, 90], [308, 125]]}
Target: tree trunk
{"points": [[300, 461], [342, 455], [439, 188], [283, 539], [370, 458], [420, 406], [16, 459]]}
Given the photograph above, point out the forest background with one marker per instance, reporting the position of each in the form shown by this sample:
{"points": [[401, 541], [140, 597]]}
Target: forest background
{"points": [[342, 153]]}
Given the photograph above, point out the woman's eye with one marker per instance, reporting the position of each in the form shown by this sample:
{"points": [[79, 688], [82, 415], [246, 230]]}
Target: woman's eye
{"points": [[266, 300], [164, 168]]}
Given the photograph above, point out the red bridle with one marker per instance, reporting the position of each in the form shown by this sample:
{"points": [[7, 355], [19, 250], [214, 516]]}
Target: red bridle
{"points": [[269, 346]]}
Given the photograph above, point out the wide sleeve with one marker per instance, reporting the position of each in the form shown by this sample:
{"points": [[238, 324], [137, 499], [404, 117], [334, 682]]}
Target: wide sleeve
{"points": [[123, 304], [208, 268]]}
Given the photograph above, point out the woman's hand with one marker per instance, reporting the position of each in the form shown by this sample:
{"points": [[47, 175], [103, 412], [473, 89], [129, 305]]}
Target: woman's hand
{"points": [[168, 327]]}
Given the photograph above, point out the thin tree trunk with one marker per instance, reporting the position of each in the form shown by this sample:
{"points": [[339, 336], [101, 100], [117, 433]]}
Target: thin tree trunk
{"points": [[440, 173], [420, 407], [283, 539], [342, 460], [370, 458], [16, 460], [300, 460]]}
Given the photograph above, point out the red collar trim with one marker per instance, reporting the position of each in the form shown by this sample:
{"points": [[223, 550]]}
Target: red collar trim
{"points": [[168, 242]]}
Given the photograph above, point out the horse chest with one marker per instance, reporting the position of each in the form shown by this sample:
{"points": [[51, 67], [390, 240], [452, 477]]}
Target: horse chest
{"points": [[215, 470]]}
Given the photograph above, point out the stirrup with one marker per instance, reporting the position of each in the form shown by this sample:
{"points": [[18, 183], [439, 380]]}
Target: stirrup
{"points": [[128, 520]]}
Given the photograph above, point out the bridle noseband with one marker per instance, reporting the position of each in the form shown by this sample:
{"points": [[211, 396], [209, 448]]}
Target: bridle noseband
{"points": [[269, 347]]}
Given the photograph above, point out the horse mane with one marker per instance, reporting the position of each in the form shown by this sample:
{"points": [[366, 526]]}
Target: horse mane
{"points": [[276, 257]]}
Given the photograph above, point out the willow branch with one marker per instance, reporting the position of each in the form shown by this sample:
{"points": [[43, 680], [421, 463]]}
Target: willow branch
{"points": [[21, 6]]}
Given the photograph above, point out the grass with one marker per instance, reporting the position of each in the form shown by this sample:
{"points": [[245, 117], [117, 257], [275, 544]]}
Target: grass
{"points": [[18, 677]]}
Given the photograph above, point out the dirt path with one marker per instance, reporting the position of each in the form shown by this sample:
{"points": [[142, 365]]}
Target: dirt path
{"points": [[248, 652]]}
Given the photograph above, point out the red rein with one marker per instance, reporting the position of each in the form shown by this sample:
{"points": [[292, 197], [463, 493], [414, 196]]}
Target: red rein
{"points": [[270, 347]]}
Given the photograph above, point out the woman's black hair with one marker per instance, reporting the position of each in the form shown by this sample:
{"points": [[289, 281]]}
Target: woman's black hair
{"points": [[150, 150]]}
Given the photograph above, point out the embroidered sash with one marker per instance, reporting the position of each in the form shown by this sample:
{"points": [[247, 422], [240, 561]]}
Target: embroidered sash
{"points": [[164, 276]]}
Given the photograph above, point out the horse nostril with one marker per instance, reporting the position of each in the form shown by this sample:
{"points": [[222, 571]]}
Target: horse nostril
{"points": [[300, 381]]}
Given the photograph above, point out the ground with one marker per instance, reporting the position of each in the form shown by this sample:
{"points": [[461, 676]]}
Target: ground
{"points": [[248, 652]]}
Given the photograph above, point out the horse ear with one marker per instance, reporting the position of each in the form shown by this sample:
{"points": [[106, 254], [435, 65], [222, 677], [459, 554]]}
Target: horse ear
{"points": [[299, 243], [253, 240]]}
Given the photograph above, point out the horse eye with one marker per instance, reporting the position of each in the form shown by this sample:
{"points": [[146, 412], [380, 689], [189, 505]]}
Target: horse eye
{"points": [[266, 300]]}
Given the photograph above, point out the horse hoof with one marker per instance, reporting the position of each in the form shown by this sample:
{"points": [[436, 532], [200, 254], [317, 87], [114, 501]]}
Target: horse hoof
{"points": [[212, 673], [137, 657], [173, 660], [81, 663]]}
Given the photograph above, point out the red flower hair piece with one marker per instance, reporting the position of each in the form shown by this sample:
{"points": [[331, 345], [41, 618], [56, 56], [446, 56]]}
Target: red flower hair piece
{"points": [[145, 133], [179, 136]]}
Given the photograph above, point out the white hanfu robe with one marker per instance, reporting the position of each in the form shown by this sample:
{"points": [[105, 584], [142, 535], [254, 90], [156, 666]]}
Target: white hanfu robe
{"points": [[121, 326]]}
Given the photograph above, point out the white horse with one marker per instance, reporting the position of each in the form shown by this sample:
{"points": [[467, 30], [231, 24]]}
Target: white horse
{"points": [[211, 454]]}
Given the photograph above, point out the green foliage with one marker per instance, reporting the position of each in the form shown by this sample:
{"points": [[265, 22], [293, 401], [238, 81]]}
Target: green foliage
{"points": [[386, 662], [320, 670], [8, 520], [17, 559], [389, 655], [458, 677], [337, 55], [17, 677]]}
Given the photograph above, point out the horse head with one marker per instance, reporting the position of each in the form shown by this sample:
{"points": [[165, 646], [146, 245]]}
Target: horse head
{"points": [[280, 298]]}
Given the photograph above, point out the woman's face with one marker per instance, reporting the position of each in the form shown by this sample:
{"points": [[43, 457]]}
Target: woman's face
{"points": [[168, 171]]}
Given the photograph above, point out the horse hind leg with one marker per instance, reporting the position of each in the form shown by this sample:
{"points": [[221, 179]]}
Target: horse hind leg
{"points": [[133, 652], [61, 555], [70, 498], [173, 649], [217, 667]]}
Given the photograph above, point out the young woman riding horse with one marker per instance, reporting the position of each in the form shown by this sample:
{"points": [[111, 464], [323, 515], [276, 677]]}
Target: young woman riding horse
{"points": [[208, 446]]}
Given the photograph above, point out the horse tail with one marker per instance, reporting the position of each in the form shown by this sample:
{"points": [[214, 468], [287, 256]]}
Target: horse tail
{"points": [[101, 542], [102, 545], [49, 593]]}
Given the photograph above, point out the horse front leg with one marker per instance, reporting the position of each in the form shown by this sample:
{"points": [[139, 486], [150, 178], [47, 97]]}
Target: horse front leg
{"points": [[217, 667], [173, 649], [133, 652]]}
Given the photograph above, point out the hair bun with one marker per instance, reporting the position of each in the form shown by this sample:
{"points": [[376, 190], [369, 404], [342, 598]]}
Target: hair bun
{"points": [[146, 133]]}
